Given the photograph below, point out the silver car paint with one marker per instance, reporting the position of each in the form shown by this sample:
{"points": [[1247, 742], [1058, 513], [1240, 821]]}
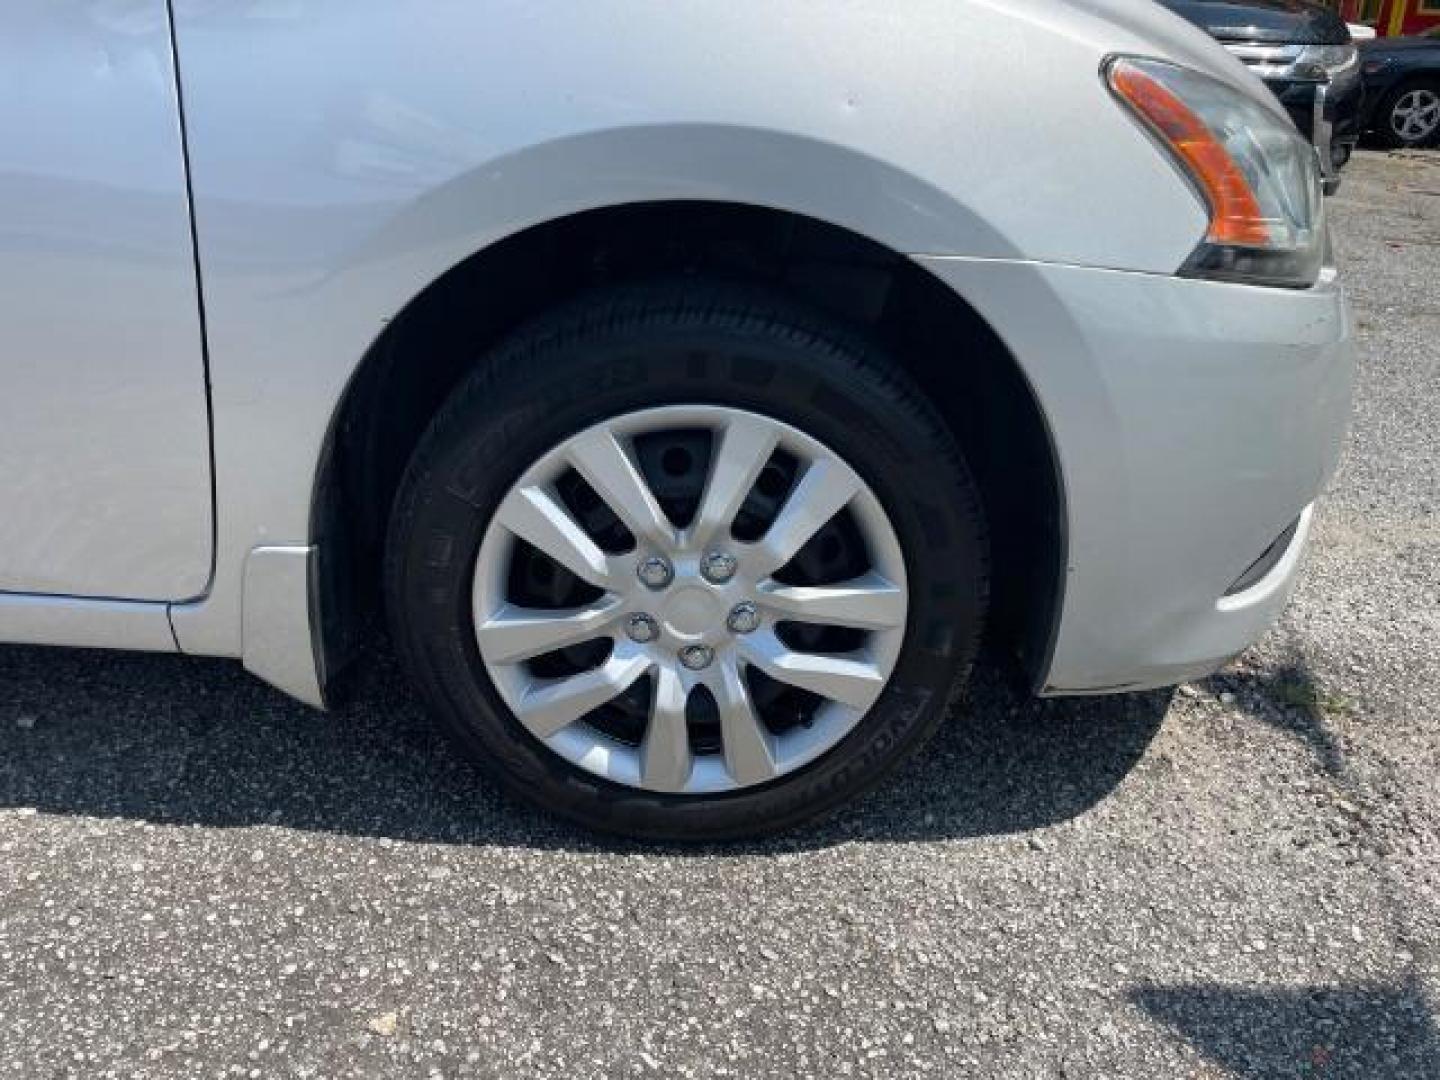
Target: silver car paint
{"points": [[104, 448], [328, 195], [346, 153], [1195, 421]]}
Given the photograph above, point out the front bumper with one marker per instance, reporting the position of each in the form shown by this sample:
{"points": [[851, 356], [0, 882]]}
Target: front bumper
{"points": [[1194, 422]]}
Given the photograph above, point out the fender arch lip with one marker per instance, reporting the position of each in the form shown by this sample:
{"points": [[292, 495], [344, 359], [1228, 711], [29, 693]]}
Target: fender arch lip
{"points": [[676, 162]]}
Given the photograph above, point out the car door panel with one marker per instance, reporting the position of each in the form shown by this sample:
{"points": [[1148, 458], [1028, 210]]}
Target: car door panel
{"points": [[104, 440]]}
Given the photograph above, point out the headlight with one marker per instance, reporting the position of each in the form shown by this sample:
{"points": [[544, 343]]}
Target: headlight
{"points": [[1328, 61], [1313, 63], [1255, 173]]}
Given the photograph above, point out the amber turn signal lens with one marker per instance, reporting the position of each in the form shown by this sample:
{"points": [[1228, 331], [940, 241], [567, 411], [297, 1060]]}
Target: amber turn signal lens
{"points": [[1235, 215]]}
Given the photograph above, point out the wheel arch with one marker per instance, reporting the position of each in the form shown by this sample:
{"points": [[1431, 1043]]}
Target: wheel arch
{"points": [[985, 398]]}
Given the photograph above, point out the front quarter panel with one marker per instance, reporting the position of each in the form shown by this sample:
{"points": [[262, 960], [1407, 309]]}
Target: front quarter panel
{"points": [[346, 153]]}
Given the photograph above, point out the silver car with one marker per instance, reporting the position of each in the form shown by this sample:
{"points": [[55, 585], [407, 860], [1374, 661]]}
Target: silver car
{"points": [[693, 387]]}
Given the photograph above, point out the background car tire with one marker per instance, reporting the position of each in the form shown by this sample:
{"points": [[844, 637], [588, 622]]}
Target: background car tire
{"points": [[691, 343], [1415, 94]]}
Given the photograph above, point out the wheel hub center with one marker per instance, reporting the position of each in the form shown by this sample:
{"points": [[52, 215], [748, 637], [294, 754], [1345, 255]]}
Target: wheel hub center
{"points": [[692, 612]]}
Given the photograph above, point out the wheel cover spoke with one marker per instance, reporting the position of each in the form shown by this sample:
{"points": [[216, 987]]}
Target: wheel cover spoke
{"points": [[518, 633], [665, 759], [541, 520], [608, 467], [688, 629], [550, 705], [743, 447], [823, 491], [868, 601], [749, 749], [849, 680]]}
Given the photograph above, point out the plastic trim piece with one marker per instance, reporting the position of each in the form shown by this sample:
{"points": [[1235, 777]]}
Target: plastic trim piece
{"points": [[278, 610], [1278, 576], [1266, 562]]}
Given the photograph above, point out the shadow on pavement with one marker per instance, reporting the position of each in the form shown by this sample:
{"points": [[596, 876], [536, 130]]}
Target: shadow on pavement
{"points": [[1288, 697], [185, 741], [1366, 1031]]}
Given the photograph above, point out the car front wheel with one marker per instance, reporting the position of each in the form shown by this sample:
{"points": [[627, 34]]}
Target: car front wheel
{"points": [[687, 562]]}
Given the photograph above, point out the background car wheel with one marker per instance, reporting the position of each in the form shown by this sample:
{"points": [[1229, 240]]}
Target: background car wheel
{"points": [[1410, 115], [687, 562]]}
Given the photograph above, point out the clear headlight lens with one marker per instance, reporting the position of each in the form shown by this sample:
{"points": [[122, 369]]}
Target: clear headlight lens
{"points": [[1313, 63], [1327, 61], [1258, 177]]}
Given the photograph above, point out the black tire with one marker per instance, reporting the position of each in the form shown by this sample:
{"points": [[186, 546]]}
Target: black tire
{"points": [[688, 342], [1384, 124]]}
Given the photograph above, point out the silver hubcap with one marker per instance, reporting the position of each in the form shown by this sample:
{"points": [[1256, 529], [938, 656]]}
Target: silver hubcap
{"points": [[1416, 115], [689, 659]]}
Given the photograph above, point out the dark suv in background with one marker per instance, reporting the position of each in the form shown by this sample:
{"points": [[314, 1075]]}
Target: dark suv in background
{"points": [[1304, 53]]}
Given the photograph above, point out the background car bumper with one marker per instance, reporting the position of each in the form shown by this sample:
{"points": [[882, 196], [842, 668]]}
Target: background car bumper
{"points": [[1329, 115], [1194, 422], [1344, 105]]}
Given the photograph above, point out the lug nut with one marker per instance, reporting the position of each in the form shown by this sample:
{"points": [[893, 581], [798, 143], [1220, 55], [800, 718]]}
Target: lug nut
{"points": [[744, 618], [642, 628], [655, 572], [718, 567], [696, 657]]}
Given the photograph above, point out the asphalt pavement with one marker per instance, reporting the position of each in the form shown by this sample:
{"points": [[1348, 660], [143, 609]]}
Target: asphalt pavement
{"points": [[200, 878]]}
